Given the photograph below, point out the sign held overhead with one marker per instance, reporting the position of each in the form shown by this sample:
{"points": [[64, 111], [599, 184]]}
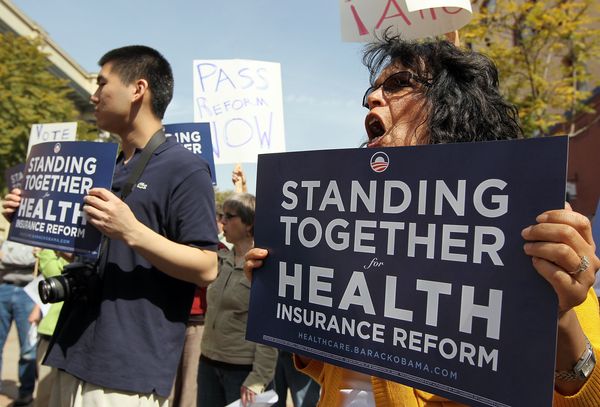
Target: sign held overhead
{"points": [[362, 20], [242, 101]]}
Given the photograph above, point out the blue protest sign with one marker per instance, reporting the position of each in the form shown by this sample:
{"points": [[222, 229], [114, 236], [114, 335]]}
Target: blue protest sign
{"points": [[407, 264], [57, 177], [196, 138], [596, 234], [13, 176], [596, 227]]}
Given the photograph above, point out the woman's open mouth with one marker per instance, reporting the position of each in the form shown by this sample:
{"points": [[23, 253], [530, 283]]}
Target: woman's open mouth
{"points": [[375, 129]]}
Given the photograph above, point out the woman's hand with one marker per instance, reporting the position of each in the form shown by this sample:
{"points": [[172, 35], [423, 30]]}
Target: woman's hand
{"points": [[254, 260], [563, 252], [247, 396]]}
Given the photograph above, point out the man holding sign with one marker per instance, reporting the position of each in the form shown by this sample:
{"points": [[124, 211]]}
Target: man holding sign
{"points": [[431, 93], [122, 348]]}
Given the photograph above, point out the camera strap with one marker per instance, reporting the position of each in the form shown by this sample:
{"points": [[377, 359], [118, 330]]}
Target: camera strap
{"points": [[156, 140]]}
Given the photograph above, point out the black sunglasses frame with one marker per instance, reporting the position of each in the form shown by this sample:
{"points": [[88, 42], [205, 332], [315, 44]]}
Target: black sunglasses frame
{"points": [[389, 89]]}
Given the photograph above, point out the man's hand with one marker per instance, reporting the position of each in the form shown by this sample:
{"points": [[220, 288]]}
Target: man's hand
{"points": [[110, 215], [65, 255], [113, 217], [11, 203]]}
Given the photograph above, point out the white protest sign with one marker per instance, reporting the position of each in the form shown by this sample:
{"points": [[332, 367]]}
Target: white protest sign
{"points": [[242, 101], [44, 132], [363, 19], [32, 291], [266, 399]]}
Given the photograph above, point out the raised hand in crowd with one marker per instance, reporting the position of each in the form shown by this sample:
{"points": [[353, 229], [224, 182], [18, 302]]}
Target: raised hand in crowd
{"points": [[238, 178]]}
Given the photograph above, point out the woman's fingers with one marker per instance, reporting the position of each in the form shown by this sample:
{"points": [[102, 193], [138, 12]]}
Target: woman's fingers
{"points": [[254, 260], [564, 253], [566, 217], [571, 289], [559, 253], [557, 233]]}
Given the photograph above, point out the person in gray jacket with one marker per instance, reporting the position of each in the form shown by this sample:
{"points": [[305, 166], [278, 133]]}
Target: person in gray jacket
{"points": [[231, 367], [17, 262]]}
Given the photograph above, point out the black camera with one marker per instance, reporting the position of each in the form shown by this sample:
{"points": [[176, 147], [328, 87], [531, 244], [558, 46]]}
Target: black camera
{"points": [[78, 281]]}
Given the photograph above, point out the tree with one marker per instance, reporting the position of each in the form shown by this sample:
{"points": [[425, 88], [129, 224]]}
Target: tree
{"points": [[29, 94], [544, 50], [222, 196]]}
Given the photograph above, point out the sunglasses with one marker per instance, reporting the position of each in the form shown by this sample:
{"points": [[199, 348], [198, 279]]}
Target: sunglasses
{"points": [[393, 84]]}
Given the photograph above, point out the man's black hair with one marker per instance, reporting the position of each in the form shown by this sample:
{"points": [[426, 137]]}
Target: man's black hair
{"points": [[140, 62], [463, 101]]}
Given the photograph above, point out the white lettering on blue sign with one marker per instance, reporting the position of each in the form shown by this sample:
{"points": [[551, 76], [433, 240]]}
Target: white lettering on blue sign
{"points": [[357, 293]]}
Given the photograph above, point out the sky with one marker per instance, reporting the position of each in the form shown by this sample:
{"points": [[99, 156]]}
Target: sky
{"points": [[323, 78]]}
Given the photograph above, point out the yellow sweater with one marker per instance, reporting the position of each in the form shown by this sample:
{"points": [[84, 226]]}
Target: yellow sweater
{"points": [[387, 393]]}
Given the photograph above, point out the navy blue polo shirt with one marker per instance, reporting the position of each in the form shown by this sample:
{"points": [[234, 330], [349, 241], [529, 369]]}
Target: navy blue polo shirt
{"points": [[132, 338]]}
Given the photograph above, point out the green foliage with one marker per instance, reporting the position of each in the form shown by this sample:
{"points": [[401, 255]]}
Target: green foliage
{"points": [[543, 50], [29, 94], [222, 196]]}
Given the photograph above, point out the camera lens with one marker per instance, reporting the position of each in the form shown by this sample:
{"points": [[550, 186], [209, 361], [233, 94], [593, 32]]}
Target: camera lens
{"points": [[53, 289]]}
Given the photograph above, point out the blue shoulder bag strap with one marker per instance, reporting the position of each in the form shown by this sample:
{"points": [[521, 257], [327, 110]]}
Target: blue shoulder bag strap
{"points": [[157, 139]]}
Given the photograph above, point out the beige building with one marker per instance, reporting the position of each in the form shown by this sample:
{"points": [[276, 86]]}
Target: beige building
{"points": [[63, 66]]}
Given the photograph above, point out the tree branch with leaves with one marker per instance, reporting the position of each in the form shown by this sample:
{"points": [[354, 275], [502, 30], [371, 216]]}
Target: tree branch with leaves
{"points": [[544, 51], [29, 94]]}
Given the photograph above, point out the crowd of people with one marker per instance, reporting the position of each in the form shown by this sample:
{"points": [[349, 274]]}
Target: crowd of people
{"points": [[168, 319]]}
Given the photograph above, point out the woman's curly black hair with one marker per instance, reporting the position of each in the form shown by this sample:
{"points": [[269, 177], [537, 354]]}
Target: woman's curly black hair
{"points": [[464, 102]]}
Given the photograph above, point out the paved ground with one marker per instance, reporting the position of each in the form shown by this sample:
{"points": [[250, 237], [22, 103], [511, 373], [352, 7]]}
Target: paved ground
{"points": [[10, 359]]}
